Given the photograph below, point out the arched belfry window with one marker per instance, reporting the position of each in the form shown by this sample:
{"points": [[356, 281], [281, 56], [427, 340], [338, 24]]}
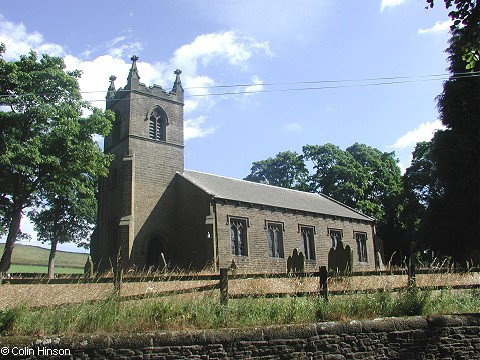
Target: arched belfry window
{"points": [[158, 123]]}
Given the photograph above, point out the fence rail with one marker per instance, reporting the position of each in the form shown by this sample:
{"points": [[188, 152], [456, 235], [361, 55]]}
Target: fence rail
{"points": [[36, 278], [222, 282]]}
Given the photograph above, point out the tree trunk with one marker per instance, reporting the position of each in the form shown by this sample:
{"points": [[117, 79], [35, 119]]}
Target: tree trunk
{"points": [[51, 258], [11, 238]]}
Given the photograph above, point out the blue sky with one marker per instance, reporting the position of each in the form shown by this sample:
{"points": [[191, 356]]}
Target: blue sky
{"points": [[315, 71]]}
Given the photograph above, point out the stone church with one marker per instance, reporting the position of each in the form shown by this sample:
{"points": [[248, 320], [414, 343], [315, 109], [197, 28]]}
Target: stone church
{"points": [[154, 213]]}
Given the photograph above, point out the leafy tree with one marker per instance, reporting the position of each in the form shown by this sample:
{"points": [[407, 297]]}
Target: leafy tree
{"points": [[421, 177], [421, 189], [67, 218], [287, 169], [365, 179], [456, 150], [360, 176], [46, 144], [336, 173], [465, 17], [445, 174], [65, 210]]}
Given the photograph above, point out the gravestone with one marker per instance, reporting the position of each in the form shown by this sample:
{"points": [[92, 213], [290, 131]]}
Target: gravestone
{"points": [[296, 263], [340, 259]]}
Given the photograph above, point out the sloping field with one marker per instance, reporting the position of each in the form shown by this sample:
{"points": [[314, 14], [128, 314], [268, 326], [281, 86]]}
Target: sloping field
{"points": [[30, 258]]}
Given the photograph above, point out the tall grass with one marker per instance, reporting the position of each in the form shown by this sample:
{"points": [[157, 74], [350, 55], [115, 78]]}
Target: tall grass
{"points": [[205, 312], [379, 304]]}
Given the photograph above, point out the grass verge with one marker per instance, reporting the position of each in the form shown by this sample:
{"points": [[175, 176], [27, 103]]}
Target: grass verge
{"points": [[43, 269], [205, 312]]}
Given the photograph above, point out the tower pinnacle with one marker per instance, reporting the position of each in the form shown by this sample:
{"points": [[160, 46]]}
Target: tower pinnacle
{"points": [[133, 76], [177, 85], [111, 88]]}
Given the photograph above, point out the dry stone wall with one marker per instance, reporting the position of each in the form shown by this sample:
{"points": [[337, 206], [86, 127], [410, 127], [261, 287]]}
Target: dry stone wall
{"points": [[440, 337]]}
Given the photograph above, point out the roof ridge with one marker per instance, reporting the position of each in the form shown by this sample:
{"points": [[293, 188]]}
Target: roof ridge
{"points": [[248, 191], [255, 183]]}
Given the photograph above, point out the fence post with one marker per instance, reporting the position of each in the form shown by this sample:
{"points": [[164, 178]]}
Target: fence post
{"points": [[117, 279], [88, 268], [323, 282], [411, 272], [224, 286]]}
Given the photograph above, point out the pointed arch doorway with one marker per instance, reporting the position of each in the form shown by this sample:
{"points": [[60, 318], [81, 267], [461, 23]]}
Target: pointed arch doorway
{"points": [[158, 254]]}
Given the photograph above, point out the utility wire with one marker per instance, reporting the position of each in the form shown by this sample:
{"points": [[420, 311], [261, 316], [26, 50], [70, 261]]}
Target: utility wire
{"points": [[442, 76], [336, 84], [310, 88], [318, 87]]}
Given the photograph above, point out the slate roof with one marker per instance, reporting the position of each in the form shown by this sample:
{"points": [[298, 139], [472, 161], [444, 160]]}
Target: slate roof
{"points": [[221, 187]]}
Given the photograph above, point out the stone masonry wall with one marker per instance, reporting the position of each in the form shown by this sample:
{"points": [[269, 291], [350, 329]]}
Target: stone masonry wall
{"points": [[257, 242], [440, 337]]}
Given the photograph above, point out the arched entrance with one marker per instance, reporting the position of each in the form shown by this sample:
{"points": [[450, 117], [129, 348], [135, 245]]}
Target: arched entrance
{"points": [[158, 254]]}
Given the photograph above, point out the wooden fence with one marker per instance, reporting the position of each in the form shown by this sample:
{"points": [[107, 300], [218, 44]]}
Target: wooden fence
{"points": [[221, 282]]}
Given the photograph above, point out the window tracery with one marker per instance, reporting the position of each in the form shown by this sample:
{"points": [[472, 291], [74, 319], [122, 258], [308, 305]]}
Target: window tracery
{"points": [[308, 242], [361, 239], [238, 236], [158, 122], [275, 240]]}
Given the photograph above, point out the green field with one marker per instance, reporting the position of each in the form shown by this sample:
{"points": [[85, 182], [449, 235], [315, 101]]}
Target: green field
{"points": [[33, 259], [38, 269]]}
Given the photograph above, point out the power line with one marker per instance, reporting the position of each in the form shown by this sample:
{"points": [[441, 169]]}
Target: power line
{"points": [[321, 87], [404, 80], [327, 81], [337, 84]]}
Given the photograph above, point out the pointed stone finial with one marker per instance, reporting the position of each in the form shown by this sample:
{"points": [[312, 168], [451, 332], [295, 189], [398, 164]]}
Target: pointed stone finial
{"points": [[112, 79], [111, 88], [133, 77], [177, 85]]}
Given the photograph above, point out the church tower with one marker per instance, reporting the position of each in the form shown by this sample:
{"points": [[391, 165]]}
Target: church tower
{"points": [[137, 216]]}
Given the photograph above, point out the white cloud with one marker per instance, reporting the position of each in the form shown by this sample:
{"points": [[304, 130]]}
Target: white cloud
{"points": [[332, 108], [390, 3], [281, 21], [246, 92], [19, 41], [125, 50], [256, 85], [440, 27], [94, 81], [194, 128], [424, 132], [229, 48], [293, 127], [198, 90], [190, 58]]}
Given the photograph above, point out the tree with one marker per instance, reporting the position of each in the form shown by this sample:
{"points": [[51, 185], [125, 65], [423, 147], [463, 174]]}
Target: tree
{"points": [[445, 174], [421, 176], [465, 17], [456, 150], [287, 169], [422, 188], [44, 138], [65, 210], [361, 177], [336, 173], [68, 217]]}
